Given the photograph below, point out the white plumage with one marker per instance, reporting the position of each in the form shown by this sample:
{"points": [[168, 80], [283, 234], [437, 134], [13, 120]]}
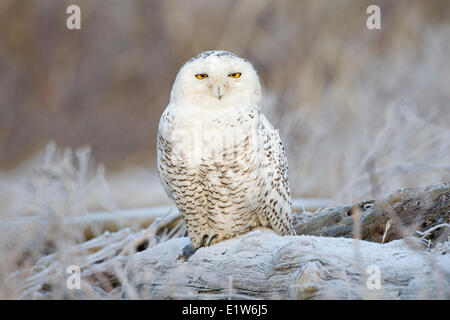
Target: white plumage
{"points": [[219, 158]]}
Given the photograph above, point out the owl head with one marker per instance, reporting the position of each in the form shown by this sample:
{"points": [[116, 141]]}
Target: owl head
{"points": [[217, 79]]}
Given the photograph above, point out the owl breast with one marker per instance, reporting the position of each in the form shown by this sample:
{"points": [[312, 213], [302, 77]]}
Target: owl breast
{"points": [[210, 166]]}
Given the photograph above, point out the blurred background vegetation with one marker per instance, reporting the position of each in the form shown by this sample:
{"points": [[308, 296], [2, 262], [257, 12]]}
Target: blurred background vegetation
{"points": [[361, 111]]}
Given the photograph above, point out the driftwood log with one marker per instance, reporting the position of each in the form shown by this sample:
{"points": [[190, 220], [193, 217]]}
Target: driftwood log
{"points": [[403, 254], [401, 214]]}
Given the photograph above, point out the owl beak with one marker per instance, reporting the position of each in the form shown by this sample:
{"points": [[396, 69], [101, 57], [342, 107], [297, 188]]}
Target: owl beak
{"points": [[219, 91]]}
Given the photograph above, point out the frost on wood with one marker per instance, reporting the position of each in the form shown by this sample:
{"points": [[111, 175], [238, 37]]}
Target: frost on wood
{"points": [[399, 215], [262, 264]]}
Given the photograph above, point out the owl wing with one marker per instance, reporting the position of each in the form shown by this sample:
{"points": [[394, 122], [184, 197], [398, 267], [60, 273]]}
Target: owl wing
{"points": [[277, 205], [180, 183], [161, 166], [164, 150]]}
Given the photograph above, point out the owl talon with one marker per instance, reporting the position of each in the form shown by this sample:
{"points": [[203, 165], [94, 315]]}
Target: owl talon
{"points": [[204, 240], [211, 239]]}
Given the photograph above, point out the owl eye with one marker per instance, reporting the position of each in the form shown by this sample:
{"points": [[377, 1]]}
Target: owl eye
{"points": [[235, 75], [201, 76]]}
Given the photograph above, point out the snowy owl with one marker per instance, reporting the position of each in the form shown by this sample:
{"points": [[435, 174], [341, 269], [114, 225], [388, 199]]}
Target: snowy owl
{"points": [[219, 158]]}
